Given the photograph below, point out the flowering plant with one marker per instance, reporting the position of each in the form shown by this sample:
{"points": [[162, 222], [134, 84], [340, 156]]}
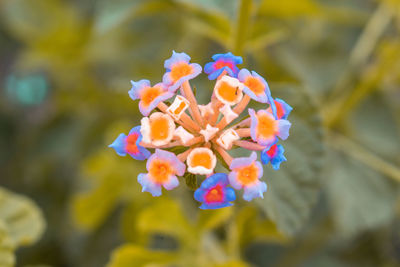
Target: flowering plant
{"points": [[205, 131]]}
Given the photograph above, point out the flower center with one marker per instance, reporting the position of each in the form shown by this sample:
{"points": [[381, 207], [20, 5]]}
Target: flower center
{"points": [[181, 70], [248, 174], [255, 85], [272, 151], [220, 64], [266, 126], [159, 128], [160, 171], [228, 92], [150, 94], [131, 146], [202, 159], [215, 195]]}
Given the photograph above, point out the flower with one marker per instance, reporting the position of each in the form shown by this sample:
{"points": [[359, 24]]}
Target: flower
{"points": [[163, 167], [179, 70], [158, 129], [149, 96], [255, 86], [245, 174], [214, 193], [283, 109], [265, 128], [223, 62], [274, 155], [130, 144], [201, 160], [228, 90], [186, 137]]}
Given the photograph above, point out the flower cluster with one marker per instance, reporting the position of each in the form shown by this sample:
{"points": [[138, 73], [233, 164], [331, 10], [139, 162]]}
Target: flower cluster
{"points": [[204, 132]]}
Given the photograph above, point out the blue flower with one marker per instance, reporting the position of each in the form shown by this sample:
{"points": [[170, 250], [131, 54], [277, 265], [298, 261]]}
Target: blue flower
{"points": [[223, 62], [214, 193]]}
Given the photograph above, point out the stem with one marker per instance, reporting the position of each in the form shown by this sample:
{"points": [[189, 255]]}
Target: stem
{"points": [[242, 104], [227, 158], [174, 143], [188, 93], [243, 123], [249, 145], [185, 120], [356, 151], [243, 132], [182, 156]]}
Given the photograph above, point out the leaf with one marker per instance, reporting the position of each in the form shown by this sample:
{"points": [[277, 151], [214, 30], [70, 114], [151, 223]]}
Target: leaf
{"points": [[131, 255], [114, 179], [7, 258], [211, 219], [191, 180], [289, 8], [21, 223], [165, 216], [360, 198], [233, 263], [23, 219], [293, 190]]}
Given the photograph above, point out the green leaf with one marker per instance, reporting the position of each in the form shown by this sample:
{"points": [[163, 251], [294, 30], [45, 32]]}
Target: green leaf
{"points": [[191, 180], [131, 255], [293, 190], [7, 258], [360, 198], [114, 179], [211, 219], [21, 223], [165, 216], [22, 218]]}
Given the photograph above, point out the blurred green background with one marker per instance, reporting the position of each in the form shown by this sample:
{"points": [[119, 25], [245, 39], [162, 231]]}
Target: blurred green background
{"points": [[65, 68]]}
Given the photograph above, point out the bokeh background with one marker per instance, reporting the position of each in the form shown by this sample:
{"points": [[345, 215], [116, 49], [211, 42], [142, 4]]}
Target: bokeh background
{"points": [[66, 199]]}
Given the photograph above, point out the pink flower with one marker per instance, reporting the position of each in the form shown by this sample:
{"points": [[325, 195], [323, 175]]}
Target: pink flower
{"points": [[163, 166]]}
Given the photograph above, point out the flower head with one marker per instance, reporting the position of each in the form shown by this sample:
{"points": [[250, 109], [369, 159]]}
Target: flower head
{"points": [[130, 144], [202, 132], [179, 70], [265, 129], [274, 154], [163, 166], [283, 109], [223, 62], [158, 129], [245, 174], [214, 193], [149, 96], [255, 86]]}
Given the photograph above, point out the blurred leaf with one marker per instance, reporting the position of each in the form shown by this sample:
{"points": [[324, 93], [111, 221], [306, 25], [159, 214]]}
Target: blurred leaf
{"points": [[7, 258], [211, 219], [234, 263], [22, 218], [114, 180], [360, 198], [21, 223], [293, 190], [165, 216], [289, 8], [130, 255]]}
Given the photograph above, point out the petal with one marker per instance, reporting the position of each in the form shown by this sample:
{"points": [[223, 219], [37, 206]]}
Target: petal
{"points": [[135, 91], [119, 145], [176, 58], [148, 185], [244, 161], [233, 180], [202, 161], [209, 132], [283, 129], [171, 183], [254, 191]]}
